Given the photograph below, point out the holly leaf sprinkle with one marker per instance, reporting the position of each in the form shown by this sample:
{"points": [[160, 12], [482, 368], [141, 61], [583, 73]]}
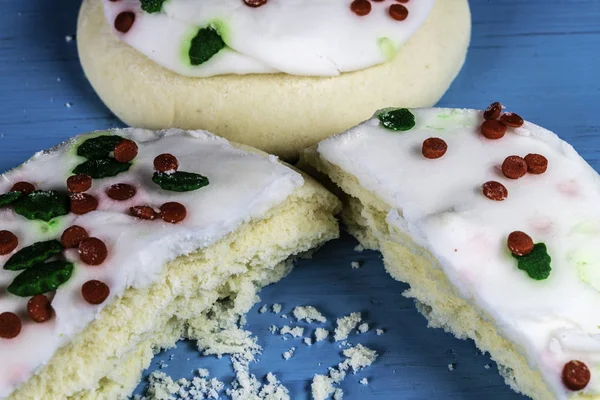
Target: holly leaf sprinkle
{"points": [[152, 6], [101, 168], [9, 198], [42, 205], [179, 181], [41, 278], [205, 44], [397, 119], [98, 147], [34, 254], [536, 263]]}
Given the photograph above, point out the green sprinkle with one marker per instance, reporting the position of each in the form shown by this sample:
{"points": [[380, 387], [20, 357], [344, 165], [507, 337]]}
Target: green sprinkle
{"points": [[43, 205], [9, 198], [388, 47], [152, 6], [179, 181], [98, 147], [397, 119], [41, 278], [34, 254], [102, 168], [204, 45], [536, 263]]}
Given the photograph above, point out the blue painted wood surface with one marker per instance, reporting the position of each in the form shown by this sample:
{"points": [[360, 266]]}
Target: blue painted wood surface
{"points": [[541, 58]]}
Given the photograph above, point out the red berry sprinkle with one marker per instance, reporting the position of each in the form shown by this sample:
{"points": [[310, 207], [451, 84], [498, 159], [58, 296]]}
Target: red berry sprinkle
{"points": [[434, 148], [493, 129], [79, 183], [95, 292], [173, 212], [10, 325], [398, 12], [126, 151], [39, 308], [519, 243], [124, 21], [83, 203], [255, 3], [92, 251], [494, 190], [493, 111], [511, 119], [536, 163], [72, 236], [514, 167], [166, 163], [23, 187], [361, 7], [121, 191], [8, 242], [143, 212], [576, 375]]}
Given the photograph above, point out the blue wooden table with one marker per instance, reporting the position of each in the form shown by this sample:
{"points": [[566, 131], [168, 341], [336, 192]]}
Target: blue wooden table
{"points": [[541, 58]]}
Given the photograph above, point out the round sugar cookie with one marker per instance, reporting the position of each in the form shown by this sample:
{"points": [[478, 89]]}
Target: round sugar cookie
{"points": [[281, 99]]}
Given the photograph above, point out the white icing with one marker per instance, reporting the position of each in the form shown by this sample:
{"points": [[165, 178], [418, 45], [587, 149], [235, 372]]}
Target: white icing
{"points": [[298, 37], [440, 203], [242, 186]]}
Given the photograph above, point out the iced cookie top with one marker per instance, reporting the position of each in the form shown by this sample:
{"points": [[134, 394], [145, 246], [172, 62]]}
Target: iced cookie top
{"points": [[511, 213], [137, 200], [297, 37]]}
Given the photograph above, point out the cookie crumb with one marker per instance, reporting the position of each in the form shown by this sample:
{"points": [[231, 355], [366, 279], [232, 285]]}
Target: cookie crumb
{"points": [[308, 314], [321, 334], [345, 325], [362, 328], [288, 354]]}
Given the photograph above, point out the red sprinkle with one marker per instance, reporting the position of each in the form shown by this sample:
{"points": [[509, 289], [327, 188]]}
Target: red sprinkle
{"points": [[398, 12], [124, 21], [361, 7], [39, 308], [83, 203], [121, 191], [519, 243], [72, 236], [255, 3], [493, 111], [493, 129], [173, 212], [79, 183], [143, 212], [8, 242], [494, 191], [95, 292], [10, 325], [511, 119], [23, 187], [434, 148], [536, 163], [514, 167], [126, 151], [576, 375], [166, 163], [92, 251]]}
